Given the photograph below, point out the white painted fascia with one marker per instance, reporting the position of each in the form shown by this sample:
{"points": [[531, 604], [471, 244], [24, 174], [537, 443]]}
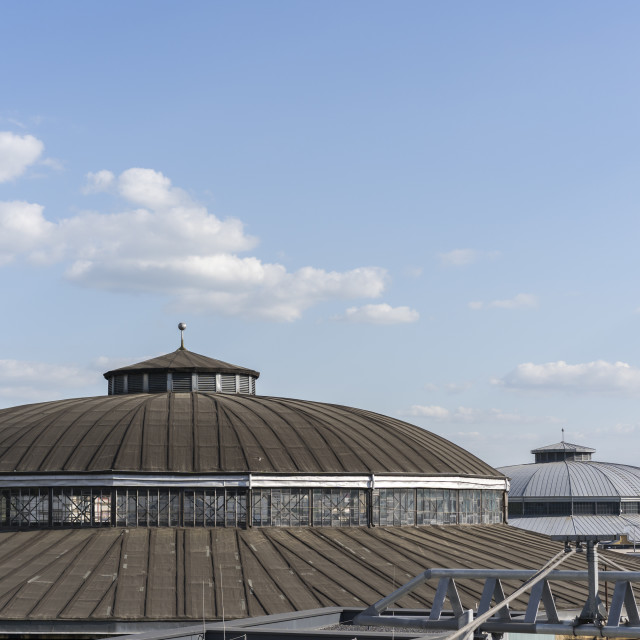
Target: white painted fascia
{"points": [[251, 480]]}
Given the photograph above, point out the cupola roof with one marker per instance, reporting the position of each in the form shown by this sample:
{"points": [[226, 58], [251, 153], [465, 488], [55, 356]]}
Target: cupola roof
{"points": [[563, 446], [185, 361]]}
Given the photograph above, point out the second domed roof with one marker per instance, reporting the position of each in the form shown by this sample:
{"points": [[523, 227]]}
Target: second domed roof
{"points": [[584, 479]]}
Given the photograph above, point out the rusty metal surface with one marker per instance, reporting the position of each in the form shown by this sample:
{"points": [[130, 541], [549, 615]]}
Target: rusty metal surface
{"points": [[220, 433], [159, 574]]}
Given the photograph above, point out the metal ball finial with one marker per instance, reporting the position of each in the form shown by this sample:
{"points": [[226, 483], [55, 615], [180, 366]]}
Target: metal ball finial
{"points": [[182, 326]]}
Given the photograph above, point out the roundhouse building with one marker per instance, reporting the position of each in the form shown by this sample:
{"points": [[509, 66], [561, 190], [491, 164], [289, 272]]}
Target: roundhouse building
{"points": [[565, 491], [182, 495], [182, 440]]}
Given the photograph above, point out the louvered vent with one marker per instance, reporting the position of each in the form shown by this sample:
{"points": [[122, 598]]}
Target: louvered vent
{"points": [[118, 384], [244, 384], [227, 383], [157, 382], [253, 385], [135, 383], [110, 386], [207, 382], [181, 382]]}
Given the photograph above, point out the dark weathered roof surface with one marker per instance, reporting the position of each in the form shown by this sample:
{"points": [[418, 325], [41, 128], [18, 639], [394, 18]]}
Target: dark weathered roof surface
{"points": [[219, 433], [184, 360], [143, 574], [563, 446], [587, 479]]}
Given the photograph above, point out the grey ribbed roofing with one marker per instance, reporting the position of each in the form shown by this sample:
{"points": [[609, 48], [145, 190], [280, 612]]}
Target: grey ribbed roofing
{"points": [[563, 446], [586, 479], [158, 574], [581, 525], [183, 360], [220, 433]]}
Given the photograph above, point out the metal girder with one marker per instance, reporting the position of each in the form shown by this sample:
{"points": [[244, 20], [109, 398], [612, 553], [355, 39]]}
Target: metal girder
{"points": [[541, 593], [493, 591], [460, 623], [446, 589], [623, 596]]}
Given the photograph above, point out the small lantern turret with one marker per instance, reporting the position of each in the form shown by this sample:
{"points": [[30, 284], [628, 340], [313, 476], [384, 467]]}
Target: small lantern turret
{"points": [[182, 371]]}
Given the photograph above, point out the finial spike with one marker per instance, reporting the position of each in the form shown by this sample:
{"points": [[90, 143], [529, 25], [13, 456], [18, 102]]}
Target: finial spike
{"points": [[562, 434], [182, 326]]}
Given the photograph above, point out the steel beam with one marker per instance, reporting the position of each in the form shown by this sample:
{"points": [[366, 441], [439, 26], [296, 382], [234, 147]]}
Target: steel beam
{"points": [[461, 623]]}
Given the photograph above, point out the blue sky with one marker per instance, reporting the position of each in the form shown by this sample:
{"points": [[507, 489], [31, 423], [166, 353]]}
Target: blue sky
{"points": [[429, 210]]}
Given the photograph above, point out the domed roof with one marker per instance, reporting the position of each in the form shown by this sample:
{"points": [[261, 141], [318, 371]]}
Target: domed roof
{"points": [[219, 433], [586, 479]]}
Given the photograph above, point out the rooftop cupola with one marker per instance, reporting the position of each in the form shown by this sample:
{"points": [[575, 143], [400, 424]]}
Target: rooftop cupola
{"points": [[182, 371], [563, 451]]}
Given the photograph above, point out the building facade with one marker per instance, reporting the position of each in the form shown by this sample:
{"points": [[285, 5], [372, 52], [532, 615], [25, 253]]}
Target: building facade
{"points": [[183, 441]]}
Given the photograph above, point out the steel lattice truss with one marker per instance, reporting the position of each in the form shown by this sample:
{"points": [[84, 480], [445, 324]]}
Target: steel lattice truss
{"points": [[621, 620]]}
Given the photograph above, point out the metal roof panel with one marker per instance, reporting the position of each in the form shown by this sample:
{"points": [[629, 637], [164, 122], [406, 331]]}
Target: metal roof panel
{"points": [[159, 574], [220, 433]]}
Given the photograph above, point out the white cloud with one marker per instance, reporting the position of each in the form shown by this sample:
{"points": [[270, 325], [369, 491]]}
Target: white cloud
{"points": [[151, 189], [98, 181], [469, 415], [168, 226], [248, 287], [428, 411], [18, 371], [15, 122], [521, 301], [23, 230], [53, 163], [589, 377], [108, 363], [619, 429], [458, 257], [451, 388], [172, 245], [457, 387], [413, 272], [17, 153], [38, 381], [380, 314], [499, 439], [464, 257]]}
